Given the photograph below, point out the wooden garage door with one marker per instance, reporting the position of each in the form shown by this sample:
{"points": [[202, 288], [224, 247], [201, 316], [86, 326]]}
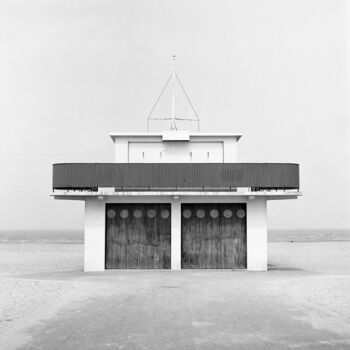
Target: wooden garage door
{"points": [[138, 236], [213, 236]]}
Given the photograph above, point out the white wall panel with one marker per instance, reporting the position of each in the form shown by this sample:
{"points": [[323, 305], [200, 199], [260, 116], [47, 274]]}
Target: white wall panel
{"points": [[175, 152]]}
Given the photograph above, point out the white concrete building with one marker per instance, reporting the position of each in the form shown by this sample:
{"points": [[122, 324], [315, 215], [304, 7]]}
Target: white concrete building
{"points": [[175, 200]]}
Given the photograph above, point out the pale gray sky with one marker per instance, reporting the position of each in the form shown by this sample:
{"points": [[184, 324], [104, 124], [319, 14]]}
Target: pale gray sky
{"points": [[73, 71]]}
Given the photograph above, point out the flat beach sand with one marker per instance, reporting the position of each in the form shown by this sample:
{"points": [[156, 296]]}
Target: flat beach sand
{"points": [[47, 302]]}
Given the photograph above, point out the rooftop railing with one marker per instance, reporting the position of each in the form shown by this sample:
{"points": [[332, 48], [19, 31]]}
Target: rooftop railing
{"points": [[131, 176]]}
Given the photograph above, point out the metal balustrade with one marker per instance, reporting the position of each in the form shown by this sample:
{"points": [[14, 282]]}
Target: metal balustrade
{"points": [[207, 176]]}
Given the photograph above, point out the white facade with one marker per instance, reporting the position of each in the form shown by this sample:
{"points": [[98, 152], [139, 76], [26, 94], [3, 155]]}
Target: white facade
{"points": [[175, 147], [94, 251]]}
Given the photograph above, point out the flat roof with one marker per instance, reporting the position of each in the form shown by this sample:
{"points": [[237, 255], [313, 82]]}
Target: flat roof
{"points": [[249, 195], [178, 135]]}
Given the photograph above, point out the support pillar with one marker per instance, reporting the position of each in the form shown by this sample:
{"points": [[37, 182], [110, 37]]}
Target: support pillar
{"points": [[256, 234], [176, 235], [94, 235]]}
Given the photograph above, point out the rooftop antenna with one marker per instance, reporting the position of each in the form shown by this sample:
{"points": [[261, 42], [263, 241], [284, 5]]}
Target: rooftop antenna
{"points": [[173, 124], [173, 79]]}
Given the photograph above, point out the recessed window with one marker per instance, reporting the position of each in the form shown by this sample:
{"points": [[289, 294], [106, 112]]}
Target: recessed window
{"points": [[187, 213], [164, 213], [240, 213], [111, 213], [200, 213], [137, 213], [151, 213], [227, 213], [124, 214], [214, 213]]}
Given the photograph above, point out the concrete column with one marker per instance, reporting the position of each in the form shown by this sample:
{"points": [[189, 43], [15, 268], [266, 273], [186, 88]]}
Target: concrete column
{"points": [[176, 236], [256, 235], [94, 235]]}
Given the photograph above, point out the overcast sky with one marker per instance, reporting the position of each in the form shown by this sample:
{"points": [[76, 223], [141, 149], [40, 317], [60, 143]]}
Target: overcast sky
{"points": [[73, 71]]}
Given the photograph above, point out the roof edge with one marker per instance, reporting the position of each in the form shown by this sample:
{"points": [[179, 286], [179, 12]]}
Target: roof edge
{"points": [[161, 134]]}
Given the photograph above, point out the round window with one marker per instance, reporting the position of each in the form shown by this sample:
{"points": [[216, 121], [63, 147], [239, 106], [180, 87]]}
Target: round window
{"points": [[111, 213], [200, 213], [214, 213], [137, 213], [240, 213], [187, 213], [124, 214], [164, 213], [227, 213], [151, 213]]}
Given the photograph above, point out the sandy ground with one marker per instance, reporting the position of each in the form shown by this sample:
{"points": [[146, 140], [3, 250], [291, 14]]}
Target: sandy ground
{"points": [[302, 302]]}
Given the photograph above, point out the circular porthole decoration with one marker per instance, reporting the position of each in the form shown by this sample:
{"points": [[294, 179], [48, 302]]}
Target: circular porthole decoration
{"points": [[111, 213], [214, 213], [137, 213], [240, 213], [200, 213], [164, 213], [124, 214], [151, 213], [227, 213], [187, 213]]}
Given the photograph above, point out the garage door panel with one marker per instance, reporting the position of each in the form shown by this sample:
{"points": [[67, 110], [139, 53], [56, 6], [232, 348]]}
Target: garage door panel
{"points": [[137, 236], [213, 236], [240, 245]]}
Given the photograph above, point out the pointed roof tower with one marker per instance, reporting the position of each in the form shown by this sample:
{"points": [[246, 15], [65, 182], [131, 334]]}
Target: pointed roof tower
{"points": [[173, 83]]}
